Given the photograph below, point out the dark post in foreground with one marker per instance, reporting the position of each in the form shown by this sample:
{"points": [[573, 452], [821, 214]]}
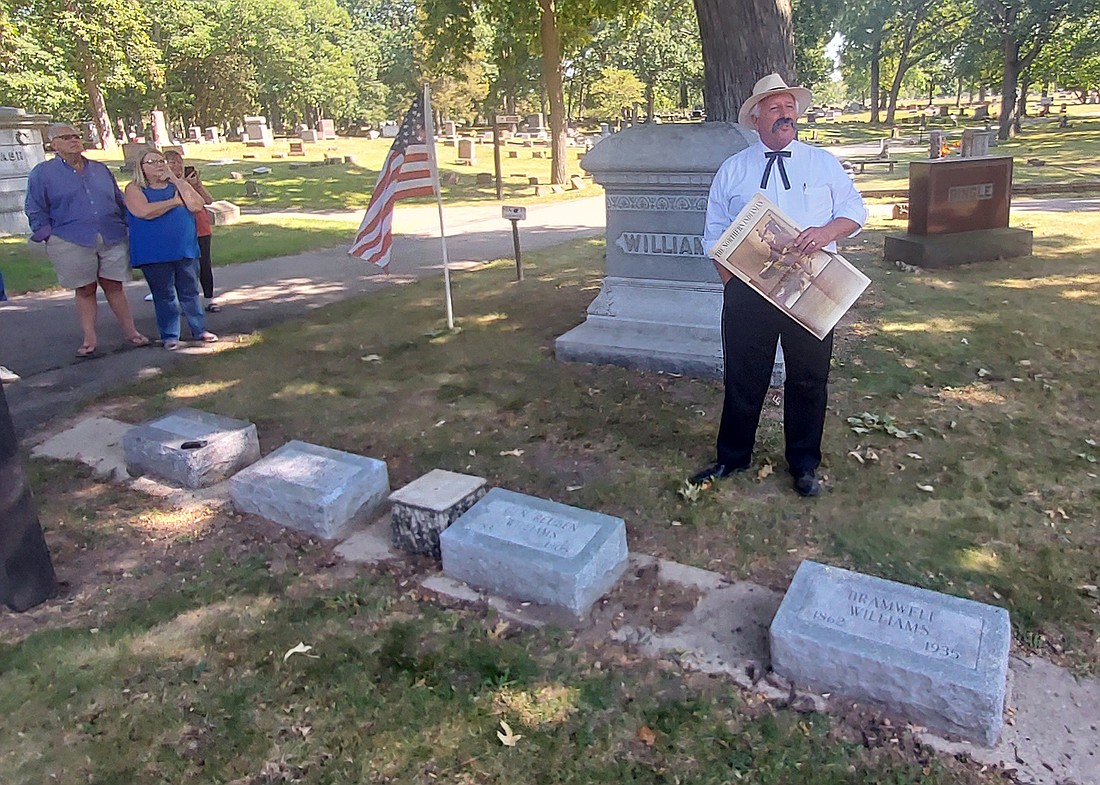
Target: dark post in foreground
{"points": [[26, 573]]}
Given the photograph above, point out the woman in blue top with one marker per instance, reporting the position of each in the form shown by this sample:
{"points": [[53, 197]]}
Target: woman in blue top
{"points": [[164, 245]]}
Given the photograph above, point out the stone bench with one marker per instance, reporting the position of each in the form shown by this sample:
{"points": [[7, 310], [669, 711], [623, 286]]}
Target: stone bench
{"points": [[864, 162]]}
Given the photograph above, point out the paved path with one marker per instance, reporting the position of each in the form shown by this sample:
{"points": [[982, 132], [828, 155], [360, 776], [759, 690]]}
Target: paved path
{"points": [[39, 333]]}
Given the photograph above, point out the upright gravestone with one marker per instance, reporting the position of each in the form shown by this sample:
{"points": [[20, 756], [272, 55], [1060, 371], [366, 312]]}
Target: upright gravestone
{"points": [[20, 151], [467, 152], [939, 660], [160, 128], [259, 135], [660, 305], [531, 549], [975, 143], [326, 128]]}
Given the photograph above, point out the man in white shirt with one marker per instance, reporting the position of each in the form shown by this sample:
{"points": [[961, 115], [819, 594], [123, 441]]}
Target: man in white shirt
{"points": [[810, 186]]}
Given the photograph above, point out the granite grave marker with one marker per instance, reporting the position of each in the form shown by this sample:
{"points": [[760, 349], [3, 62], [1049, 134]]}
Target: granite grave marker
{"points": [[939, 660], [190, 448], [532, 549]]}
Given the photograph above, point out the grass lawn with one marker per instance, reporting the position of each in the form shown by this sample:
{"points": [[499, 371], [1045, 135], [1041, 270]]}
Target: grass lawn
{"points": [[254, 237], [167, 661]]}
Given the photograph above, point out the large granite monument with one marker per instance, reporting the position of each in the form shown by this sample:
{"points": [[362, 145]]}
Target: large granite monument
{"points": [[660, 305], [959, 212], [20, 151]]}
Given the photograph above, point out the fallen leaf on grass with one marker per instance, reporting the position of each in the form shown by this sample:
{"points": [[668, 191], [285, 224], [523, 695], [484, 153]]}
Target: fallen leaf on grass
{"points": [[926, 488], [646, 736], [371, 358], [499, 629], [1058, 511], [1089, 590], [517, 452], [573, 487], [855, 454], [301, 648], [507, 738], [914, 456], [689, 491], [765, 471]]}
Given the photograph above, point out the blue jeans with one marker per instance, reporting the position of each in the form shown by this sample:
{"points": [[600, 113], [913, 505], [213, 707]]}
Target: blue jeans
{"points": [[3, 296], [175, 289]]}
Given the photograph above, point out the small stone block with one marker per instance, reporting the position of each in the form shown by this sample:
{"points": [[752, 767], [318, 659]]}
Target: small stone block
{"points": [[513, 153], [532, 549], [938, 660], [427, 506], [190, 448], [484, 178], [314, 489], [543, 190]]}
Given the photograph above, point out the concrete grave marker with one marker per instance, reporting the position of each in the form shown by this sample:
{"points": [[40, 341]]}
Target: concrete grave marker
{"points": [[939, 660], [314, 489], [533, 549], [190, 448], [428, 505]]}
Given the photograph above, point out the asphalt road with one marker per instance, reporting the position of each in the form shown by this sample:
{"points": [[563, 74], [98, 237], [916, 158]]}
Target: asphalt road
{"points": [[39, 333]]}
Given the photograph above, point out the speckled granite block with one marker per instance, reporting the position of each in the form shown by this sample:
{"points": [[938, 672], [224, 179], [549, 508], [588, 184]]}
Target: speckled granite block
{"points": [[190, 448], [938, 660], [428, 505]]}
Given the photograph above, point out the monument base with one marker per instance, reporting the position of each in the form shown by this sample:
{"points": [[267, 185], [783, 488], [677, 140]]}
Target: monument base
{"points": [[950, 250], [654, 325]]}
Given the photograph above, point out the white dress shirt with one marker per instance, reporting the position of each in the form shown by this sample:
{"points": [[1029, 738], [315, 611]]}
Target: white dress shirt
{"points": [[820, 189]]}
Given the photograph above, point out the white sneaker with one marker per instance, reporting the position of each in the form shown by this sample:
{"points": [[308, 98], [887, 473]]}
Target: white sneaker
{"points": [[7, 377]]}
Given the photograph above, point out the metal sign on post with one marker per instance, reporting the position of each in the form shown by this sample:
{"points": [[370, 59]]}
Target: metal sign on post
{"points": [[515, 215]]}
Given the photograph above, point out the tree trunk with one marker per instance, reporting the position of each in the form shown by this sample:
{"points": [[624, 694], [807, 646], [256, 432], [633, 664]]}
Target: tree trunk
{"points": [[649, 101], [743, 40], [96, 101], [903, 66], [876, 56], [27, 578], [550, 42], [1010, 48]]}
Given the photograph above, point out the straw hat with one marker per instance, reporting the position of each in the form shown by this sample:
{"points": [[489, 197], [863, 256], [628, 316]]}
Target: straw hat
{"points": [[773, 84]]}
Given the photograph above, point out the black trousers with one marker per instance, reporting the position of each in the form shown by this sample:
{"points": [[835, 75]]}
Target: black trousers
{"points": [[206, 271], [750, 328]]}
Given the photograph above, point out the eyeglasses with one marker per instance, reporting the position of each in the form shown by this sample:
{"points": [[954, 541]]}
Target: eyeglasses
{"points": [[67, 137], [154, 161]]}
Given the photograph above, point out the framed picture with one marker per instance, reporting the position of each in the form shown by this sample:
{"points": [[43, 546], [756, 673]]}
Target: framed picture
{"points": [[814, 289]]}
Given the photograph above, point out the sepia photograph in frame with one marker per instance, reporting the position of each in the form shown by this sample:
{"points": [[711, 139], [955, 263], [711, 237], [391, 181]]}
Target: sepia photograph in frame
{"points": [[814, 289]]}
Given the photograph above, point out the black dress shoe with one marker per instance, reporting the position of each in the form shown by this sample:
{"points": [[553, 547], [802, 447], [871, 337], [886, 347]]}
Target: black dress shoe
{"points": [[713, 472], [807, 484]]}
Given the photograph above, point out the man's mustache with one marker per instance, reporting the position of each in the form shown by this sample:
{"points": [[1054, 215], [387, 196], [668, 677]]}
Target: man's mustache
{"points": [[782, 121]]}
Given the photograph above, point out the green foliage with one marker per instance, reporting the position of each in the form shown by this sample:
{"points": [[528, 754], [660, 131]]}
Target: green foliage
{"points": [[616, 93]]}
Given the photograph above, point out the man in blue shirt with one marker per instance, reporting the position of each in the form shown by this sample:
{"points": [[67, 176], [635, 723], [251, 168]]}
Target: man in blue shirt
{"points": [[74, 206]]}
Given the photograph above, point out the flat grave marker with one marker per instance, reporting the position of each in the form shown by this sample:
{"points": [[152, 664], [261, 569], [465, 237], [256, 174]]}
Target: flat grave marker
{"points": [[939, 660], [532, 549], [314, 489], [190, 448]]}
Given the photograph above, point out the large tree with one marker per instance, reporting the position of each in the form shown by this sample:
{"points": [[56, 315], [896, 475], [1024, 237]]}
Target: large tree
{"points": [[1024, 28], [104, 44], [742, 41]]}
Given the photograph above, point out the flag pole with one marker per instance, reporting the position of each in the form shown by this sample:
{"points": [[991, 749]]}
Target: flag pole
{"points": [[429, 131]]}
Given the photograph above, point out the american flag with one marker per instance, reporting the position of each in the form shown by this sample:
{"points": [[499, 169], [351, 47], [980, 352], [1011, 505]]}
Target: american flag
{"points": [[406, 172]]}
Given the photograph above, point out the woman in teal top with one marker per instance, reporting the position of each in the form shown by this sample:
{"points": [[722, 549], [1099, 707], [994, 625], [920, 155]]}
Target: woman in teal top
{"points": [[164, 245]]}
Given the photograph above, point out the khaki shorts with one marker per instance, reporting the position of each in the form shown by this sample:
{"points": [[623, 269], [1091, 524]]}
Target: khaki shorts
{"points": [[78, 266]]}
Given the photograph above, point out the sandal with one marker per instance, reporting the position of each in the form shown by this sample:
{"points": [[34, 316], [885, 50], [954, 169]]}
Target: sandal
{"points": [[86, 350], [138, 340], [171, 345], [207, 337], [213, 308]]}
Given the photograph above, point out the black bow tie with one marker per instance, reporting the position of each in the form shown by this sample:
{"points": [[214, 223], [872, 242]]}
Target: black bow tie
{"points": [[773, 156]]}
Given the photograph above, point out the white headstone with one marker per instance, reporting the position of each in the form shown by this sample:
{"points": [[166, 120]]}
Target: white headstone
{"points": [[939, 660], [531, 549]]}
